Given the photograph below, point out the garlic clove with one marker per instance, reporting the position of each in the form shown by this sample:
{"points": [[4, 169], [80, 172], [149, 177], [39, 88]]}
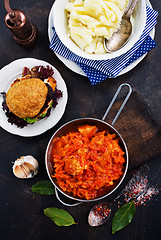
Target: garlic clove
{"points": [[18, 172], [25, 167]]}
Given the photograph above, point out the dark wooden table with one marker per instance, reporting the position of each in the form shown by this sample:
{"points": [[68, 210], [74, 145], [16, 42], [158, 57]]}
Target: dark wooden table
{"points": [[21, 210]]}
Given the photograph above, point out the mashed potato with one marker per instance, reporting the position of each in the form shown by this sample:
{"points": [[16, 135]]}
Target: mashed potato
{"points": [[90, 21]]}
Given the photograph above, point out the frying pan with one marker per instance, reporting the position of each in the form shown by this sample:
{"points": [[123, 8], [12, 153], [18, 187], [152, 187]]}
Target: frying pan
{"points": [[72, 126]]}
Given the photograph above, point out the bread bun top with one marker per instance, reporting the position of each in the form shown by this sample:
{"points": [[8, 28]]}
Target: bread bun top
{"points": [[26, 97]]}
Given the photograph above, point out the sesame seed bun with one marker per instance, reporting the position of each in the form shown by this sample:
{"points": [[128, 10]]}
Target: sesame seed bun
{"points": [[26, 98]]}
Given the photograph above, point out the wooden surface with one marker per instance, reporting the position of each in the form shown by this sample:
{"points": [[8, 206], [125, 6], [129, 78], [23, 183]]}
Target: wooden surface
{"points": [[138, 128], [21, 210]]}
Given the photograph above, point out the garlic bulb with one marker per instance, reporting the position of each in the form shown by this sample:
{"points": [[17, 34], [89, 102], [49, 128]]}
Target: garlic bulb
{"points": [[25, 167]]}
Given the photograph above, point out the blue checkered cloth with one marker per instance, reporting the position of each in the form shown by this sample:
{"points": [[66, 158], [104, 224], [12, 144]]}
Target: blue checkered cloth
{"points": [[99, 70]]}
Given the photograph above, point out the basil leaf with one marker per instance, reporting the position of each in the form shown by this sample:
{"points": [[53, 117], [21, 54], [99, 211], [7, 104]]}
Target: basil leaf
{"points": [[123, 216], [59, 216], [44, 188]]}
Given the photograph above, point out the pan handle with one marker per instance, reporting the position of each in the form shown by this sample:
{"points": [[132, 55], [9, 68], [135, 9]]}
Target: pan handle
{"points": [[66, 204], [123, 104]]}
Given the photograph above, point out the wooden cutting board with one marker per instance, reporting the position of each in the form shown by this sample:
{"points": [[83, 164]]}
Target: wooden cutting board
{"points": [[139, 130]]}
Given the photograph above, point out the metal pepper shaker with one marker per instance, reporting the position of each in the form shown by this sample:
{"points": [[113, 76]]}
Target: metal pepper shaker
{"points": [[24, 32]]}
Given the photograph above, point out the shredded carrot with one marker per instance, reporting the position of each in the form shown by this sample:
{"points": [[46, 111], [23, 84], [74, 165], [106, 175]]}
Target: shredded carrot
{"points": [[86, 162]]}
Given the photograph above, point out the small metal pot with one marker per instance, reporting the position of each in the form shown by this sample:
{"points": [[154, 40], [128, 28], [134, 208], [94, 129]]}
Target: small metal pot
{"points": [[72, 126]]}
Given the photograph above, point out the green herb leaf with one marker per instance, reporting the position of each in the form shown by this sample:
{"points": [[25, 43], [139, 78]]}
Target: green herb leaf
{"points": [[30, 120], [59, 216], [43, 187], [43, 115], [50, 106], [123, 216]]}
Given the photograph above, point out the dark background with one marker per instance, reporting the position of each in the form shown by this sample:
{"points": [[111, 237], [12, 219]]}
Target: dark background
{"points": [[21, 211]]}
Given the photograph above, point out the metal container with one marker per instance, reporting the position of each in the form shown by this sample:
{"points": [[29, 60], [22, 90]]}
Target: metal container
{"points": [[72, 126]]}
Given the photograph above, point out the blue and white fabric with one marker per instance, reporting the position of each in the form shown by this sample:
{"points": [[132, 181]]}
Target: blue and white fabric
{"points": [[99, 70]]}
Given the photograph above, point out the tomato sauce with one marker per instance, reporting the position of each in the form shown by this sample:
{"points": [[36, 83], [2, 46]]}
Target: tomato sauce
{"points": [[87, 162]]}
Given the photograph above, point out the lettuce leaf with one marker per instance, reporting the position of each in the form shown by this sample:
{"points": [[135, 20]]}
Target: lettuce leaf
{"points": [[30, 120]]}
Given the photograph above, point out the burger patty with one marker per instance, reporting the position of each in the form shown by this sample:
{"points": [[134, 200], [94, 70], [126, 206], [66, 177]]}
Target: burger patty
{"points": [[20, 122], [27, 97]]}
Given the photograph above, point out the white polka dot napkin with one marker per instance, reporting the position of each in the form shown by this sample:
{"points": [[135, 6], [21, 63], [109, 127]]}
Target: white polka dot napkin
{"points": [[99, 70]]}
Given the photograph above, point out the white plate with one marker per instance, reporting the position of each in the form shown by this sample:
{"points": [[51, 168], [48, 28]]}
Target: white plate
{"points": [[7, 75], [73, 66]]}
